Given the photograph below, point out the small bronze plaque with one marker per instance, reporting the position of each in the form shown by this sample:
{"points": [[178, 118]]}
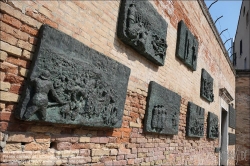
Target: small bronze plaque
{"points": [[163, 110]]}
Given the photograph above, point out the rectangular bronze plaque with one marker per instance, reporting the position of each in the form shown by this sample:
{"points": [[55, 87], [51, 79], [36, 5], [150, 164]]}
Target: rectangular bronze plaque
{"points": [[231, 139], [212, 126], [187, 46], [195, 120], [163, 110], [206, 91], [144, 29], [71, 83], [232, 117]]}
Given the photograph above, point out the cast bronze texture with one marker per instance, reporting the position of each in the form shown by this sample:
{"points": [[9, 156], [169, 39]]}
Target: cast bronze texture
{"points": [[212, 126], [232, 117], [206, 91], [231, 139], [187, 46], [195, 120], [70, 83], [163, 110], [144, 29]]}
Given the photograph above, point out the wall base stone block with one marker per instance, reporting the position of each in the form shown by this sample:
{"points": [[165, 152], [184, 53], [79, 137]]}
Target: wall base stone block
{"points": [[36, 146], [12, 147], [100, 152], [24, 137]]}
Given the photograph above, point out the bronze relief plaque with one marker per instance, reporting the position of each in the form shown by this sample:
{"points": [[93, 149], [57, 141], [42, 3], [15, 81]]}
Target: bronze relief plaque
{"points": [[70, 83], [212, 126], [195, 120], [206, 91], [187, 46], [232, 117], [144, 29], [231, 139], [163, 110]]}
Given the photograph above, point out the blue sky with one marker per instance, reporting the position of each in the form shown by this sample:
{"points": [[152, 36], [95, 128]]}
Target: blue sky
{"points": [[230, 10]]}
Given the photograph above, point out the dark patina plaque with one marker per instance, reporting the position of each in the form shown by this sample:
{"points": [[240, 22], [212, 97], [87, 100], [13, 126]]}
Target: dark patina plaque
{"points": [[163, 110], [231, 139], [71, 83], [212, 126], [232, 117], [195, 120], [144, 29], [187, 46], [207, 86]]}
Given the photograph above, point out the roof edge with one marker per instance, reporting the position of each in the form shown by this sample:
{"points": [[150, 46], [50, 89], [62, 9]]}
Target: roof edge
{"points": [[216, 33], [238, 20]]}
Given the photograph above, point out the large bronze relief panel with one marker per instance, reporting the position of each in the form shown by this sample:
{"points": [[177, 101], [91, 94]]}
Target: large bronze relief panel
{"points": [[212, 126], [206, 91], [163, 110], [143, 28], [187, 46], [195, 120], [71, 83]]}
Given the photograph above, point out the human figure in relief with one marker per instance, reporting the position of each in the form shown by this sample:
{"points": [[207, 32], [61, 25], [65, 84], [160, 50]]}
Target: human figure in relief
{"points": [[43, 87], [155, 117]]}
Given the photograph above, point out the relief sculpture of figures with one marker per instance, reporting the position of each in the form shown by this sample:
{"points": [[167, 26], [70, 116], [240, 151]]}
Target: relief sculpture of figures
{"points": [[206, 86], [163, 110], [39, 102], [195, 120], [159, 117], [70, 83], [212, 129], [187, 46], [141, 27], [232, 117]]}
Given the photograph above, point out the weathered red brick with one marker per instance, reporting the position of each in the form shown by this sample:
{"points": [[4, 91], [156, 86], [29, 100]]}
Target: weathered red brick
{"points": [[14, 32], [79, 160], [29, 30], [9, 68], [131, 161], [26, 45], [3, 126], [32, 40], [18, 62], [11, 20], [5, 116], [20, 137], [62, 145], [79, 146], [8, 38], [120, 162], [64, 138], [104, 140], [2, 76], [95, 140], [33, 146], [42, 138], [11, 78], [124, 151], [85, 152]]}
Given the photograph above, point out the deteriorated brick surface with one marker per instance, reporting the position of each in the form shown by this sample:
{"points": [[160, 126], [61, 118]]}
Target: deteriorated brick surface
{"points": [[94, 24], [243, 117]]}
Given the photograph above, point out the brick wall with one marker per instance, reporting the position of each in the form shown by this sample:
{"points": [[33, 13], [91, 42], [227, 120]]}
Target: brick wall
{"points": [[94, 24], [242, 117]]}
